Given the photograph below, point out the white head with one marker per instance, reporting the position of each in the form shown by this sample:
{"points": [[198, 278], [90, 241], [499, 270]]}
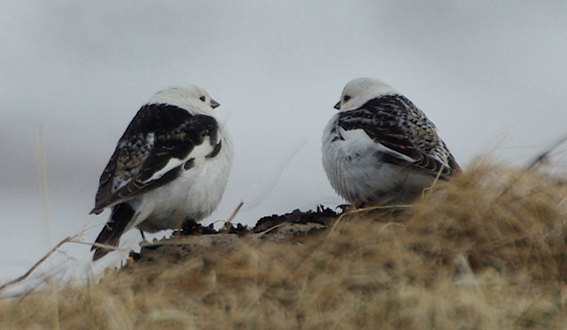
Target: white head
{"points": [[192, 98], [361, 90]]}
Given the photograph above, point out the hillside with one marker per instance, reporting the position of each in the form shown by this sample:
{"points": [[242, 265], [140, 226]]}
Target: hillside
{"points": [[483, 251]]}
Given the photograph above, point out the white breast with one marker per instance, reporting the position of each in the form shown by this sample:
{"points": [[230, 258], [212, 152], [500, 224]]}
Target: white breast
{"points": [[354, 166], [195, 194]]}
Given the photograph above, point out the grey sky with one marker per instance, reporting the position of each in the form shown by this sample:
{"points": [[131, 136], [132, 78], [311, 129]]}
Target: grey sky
{"points": [[492, 76]]}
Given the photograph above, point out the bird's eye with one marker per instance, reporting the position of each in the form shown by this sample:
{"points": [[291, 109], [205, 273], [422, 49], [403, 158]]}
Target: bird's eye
{"points": [[202, 98], [346, 98]]}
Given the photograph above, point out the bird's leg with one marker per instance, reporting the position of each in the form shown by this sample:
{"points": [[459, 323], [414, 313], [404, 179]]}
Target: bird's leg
{"points": [[143, 236], [177, 231], [190, 227]]}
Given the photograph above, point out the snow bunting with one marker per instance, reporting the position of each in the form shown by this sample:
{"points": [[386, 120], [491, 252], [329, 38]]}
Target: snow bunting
{"points": [[171, 164], [380, 149]]}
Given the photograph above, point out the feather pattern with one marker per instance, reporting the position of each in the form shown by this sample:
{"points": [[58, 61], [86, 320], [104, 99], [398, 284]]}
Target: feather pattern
{"points": [[380, 148], [409, 137], [171, 163], [147, 146]]}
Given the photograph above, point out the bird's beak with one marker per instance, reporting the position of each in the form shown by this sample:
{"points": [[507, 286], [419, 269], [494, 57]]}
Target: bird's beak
{"points": [[338, 105], [214, 104]]}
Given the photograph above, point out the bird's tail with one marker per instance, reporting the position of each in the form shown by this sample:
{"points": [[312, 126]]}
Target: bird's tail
{"points": [[121, 216]]}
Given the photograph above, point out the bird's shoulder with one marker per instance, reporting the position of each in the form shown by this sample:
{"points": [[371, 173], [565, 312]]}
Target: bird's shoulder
{"points": [[404, 134], [155, 118], [384, 120], [158, 136]]}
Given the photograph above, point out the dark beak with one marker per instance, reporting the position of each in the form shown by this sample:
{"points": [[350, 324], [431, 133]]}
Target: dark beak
{"points": [[338, 105], [214, 104]]}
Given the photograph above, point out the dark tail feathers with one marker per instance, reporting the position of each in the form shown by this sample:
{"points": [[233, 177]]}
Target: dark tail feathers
{"points": [[110, 235]]}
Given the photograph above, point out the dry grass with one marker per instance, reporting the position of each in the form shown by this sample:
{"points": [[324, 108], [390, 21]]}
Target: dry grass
{"points": [[484, 251]]}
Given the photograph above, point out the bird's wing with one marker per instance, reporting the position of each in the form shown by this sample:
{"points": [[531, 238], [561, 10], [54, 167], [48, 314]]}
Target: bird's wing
{"points": [[146, 162], [415, 149]]}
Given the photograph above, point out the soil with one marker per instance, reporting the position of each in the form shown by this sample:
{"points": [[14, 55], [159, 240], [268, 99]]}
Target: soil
{"points": [[195, 238]]}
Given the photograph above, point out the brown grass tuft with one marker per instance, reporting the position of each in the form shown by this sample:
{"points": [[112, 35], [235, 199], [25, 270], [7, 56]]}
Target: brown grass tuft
{"points": [[497, 217], [484, 251]]}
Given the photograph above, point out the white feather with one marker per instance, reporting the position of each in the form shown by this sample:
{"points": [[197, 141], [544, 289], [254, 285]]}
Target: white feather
{"points": [[199, 151], [198, 190], [357, 142], [354, 162]]}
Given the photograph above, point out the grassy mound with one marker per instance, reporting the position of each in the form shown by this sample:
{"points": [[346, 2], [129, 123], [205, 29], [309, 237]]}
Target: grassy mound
{"points": [[484, 251]]}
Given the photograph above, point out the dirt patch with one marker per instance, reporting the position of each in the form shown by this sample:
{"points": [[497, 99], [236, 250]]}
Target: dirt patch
{"points": [[195, 239]]}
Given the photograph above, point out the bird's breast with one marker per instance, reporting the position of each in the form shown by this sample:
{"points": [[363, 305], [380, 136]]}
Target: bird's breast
{"points": [[195, 194]]}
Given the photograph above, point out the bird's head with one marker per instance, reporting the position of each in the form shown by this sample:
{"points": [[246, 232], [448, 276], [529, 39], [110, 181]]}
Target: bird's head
{"points": [[361, 90], [192, 98]]}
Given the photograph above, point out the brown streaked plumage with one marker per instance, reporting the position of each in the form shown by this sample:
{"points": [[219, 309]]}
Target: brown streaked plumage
{"points": [[380, 148]]}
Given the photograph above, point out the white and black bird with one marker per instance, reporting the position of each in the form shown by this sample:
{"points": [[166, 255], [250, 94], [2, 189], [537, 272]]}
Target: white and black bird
{"points": [[171, 164], [380, 149]]}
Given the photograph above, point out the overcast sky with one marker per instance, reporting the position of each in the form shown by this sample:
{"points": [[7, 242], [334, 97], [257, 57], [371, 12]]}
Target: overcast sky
{"points": [[491, 75]]}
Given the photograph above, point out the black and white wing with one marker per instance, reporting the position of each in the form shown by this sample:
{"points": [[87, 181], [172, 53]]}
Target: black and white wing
{"points": [[160, 142], [403, 134]]}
